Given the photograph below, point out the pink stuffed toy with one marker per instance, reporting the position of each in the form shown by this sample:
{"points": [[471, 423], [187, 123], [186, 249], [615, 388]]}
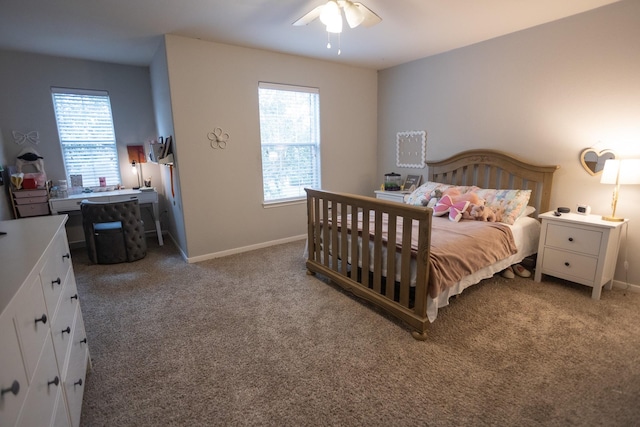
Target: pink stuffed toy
{"points": [[447, 205]]}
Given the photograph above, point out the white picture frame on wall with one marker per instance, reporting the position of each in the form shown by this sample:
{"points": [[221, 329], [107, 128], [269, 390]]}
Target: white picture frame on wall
{"points": [[411, 149]]}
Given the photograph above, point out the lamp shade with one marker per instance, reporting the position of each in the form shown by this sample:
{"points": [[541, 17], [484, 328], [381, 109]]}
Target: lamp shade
{"points": [[623, 172]]}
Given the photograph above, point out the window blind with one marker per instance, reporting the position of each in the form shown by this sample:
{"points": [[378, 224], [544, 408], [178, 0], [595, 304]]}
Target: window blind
{"points": [[87, 136], [290, 140]]}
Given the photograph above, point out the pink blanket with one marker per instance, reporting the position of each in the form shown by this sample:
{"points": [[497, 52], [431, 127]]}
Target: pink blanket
{"points": [[457, 248]]}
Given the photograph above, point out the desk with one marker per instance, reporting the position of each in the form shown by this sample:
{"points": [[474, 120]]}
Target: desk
{"points": [[144, 197]]}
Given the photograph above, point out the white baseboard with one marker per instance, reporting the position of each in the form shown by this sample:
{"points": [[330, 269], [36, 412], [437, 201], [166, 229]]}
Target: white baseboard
{"points": [[618, 284], [243, 249]]}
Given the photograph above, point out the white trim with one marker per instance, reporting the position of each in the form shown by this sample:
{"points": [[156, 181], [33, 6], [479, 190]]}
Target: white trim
{"points": [[287, 87], [619, 284], [73, 91], [245, 249]]}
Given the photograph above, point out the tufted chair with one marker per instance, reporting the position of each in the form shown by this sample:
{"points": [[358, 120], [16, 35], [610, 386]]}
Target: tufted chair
{"points": [[128, 214]]}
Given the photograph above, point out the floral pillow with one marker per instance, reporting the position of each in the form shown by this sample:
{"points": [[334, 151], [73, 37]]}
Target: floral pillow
{"points": [[421, 195], [510, 203]]}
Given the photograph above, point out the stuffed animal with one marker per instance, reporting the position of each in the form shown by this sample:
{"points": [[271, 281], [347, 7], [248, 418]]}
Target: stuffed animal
{"points": [[456, 196], [480, 212], [434, 197]]}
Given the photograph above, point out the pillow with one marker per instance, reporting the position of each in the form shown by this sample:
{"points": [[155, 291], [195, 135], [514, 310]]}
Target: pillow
{"points": [[528, 211], [421, 195], [509, 204]]}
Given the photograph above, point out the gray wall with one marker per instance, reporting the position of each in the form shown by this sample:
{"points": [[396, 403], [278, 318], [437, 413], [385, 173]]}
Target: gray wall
{"points": [[543, 94], [220, 191], [26, 105]]}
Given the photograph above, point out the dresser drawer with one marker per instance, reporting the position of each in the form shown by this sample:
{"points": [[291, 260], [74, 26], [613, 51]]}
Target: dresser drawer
{"points": [[575, 239], [30, 200], [32, 322], [12, 373], [569, 265], [63, 323], [27, 194], [44, 391], [33, 210], [76, 372], [54, 272]]}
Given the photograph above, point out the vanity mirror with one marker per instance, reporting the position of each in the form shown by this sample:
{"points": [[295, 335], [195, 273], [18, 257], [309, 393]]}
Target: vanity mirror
{"points": [[593, 162]]}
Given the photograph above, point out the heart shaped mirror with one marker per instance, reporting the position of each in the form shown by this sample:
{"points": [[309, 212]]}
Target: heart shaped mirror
{"points": [[593, 162]]}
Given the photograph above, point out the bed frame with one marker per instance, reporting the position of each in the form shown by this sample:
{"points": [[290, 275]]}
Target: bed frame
{"points": [[484, 168]]}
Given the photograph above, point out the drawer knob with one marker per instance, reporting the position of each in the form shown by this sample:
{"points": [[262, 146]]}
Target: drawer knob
{"points": [[55, 381], [571, 239], [57, 281], [83, 341], [67, 256], [567, 264], [15, 388], [67, 330], [43, 319], [79, 382], [74, 296]]}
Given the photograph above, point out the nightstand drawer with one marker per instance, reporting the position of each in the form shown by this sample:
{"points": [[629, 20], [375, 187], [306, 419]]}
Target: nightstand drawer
{"points": [[569, 265], [574, 239]]}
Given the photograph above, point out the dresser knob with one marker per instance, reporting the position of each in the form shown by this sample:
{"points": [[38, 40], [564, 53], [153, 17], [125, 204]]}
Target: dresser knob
{"points": [[83, 341], [571, 239], [57, 281], [79, 382], [67, 256], [43, 319], [74, 296], [567, 264], [67, 330], [15, 388], [55, 381]]}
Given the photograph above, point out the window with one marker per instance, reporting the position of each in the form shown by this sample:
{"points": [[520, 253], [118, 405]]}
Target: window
{"points": [[290, 139], [87, 137]]}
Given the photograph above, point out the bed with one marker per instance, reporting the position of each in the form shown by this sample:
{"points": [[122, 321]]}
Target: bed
{"points": [[385, 252]]}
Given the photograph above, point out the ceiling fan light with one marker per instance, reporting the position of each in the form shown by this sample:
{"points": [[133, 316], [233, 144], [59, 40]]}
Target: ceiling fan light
{"points": [[353, 14], [335, 28], [331, 14]]}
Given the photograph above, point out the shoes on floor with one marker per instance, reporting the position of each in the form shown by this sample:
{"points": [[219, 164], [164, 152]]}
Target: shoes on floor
{"points": [[508, 273], [521, 271]]}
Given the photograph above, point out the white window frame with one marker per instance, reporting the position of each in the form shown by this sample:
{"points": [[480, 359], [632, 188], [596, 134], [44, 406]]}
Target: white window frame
{"points": [[87, 135], [270, 148]]}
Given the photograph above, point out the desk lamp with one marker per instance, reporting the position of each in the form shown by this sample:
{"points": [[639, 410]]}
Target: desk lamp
{"points": [[136, 158], [618, 172]]}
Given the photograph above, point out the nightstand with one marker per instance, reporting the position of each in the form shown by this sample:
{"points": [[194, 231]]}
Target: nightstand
{"points": [[579, 248], [394, 196]]}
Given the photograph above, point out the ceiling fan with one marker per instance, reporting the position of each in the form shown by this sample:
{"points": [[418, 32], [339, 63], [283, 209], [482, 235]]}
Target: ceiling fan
{"points": [[330, 15]]}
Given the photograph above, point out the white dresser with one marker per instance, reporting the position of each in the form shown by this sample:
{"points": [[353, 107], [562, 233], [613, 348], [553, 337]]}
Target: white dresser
{"points": [[579, 248], [43, 347]]}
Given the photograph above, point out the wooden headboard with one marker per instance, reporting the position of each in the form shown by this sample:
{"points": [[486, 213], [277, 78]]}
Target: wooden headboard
{"points": [[495, 169]]}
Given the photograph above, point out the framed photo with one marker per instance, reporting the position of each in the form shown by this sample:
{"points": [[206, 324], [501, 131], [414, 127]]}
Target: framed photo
{"points": [[412, 180]]}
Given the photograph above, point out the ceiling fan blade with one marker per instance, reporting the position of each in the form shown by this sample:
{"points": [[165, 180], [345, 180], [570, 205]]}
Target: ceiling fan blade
{"points": [[306, 19], [370, 17]]}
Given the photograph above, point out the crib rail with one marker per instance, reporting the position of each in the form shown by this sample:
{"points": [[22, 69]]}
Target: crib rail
{"points": [[337, 253]]}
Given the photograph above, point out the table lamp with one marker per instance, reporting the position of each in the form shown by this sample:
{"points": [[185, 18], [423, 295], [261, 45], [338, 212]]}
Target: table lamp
{"points": [[619, 172], [136, 157]]}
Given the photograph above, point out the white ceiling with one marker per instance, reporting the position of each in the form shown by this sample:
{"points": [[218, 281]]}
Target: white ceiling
{"points": [[128, 31]]}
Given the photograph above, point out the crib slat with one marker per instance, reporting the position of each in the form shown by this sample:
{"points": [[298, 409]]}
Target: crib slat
{"points": [[405, 263], [377, 253], [391, 255]]}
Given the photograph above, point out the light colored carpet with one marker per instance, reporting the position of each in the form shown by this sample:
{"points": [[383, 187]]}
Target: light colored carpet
{"points": [[250, 339]]}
